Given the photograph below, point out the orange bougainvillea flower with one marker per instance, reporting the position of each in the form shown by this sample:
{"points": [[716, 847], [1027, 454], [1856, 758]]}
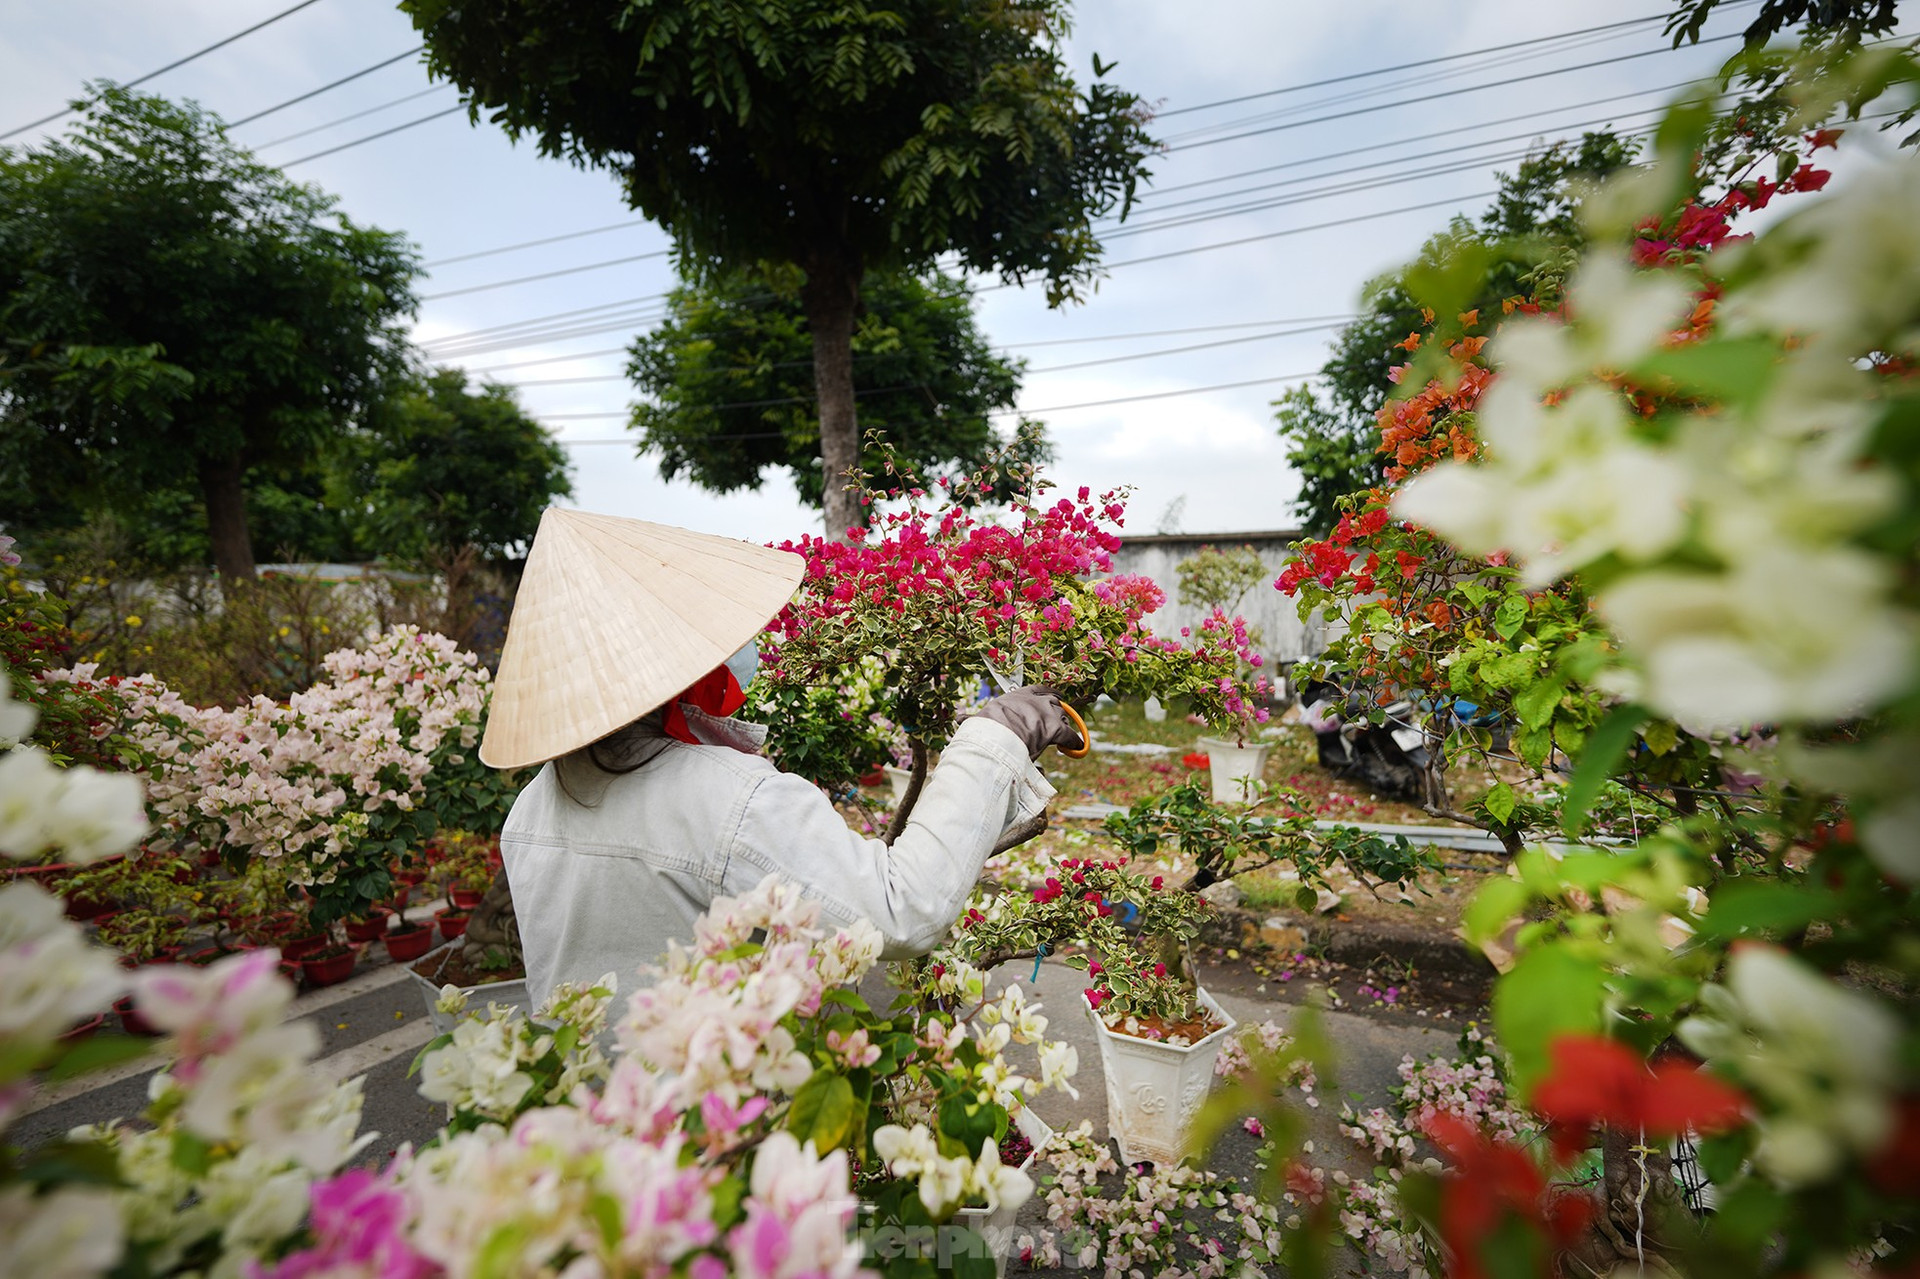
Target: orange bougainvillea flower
{"points": [[1409, 343], [1598, 1082]]}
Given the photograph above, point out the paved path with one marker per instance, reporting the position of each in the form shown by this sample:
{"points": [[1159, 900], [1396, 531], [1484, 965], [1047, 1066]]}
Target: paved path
{"points": [[374, 1024]]}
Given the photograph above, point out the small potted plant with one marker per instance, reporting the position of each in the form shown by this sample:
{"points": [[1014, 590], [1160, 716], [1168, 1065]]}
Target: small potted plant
{"points": [[1218, 580], [407, 940], [1132, 932], [467, 867], [331, 964], [370, 927]]}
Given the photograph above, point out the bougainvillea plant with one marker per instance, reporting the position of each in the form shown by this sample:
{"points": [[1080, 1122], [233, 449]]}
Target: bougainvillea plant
{"points": [[943, 596], [1663, 522]]}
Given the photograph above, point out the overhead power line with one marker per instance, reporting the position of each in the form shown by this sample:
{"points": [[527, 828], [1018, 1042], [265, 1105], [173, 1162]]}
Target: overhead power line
{"points": [[176, 63], [447, 349], [1053, 408], [325, 88], [1433, 97], [322, 128], [1422, 64], [398, 128], [534, 244], [1555, 54], [544, 275], [1123, 229], [1005, 346], [1051, 368]]}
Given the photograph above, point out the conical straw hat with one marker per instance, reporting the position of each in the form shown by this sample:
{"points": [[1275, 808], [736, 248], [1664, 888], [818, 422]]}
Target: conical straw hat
{"points": [[615, 616]]}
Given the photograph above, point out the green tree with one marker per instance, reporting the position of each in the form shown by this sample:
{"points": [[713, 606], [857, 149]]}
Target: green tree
{"points": [[443, 466], [1331, 430], [835, 136], [173, 312], [730, 379], [1853, 20]]}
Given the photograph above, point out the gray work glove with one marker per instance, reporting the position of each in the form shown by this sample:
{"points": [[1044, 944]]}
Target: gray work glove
{"points": [[1035, 717]]}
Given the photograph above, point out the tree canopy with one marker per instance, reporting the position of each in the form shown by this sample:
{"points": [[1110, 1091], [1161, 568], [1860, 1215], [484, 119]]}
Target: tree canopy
{"points": [[443, 466], [1331, 430], [729, 377], [174, 313], [835, 136]]}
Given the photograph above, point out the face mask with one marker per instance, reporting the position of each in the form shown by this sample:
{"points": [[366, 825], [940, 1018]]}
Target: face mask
{"points": [[745, 663]]}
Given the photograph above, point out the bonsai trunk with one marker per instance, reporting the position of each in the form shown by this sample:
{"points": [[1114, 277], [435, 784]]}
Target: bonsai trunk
{"points": [[493, 923], [904, 809], [226, 500], [831, 295]]}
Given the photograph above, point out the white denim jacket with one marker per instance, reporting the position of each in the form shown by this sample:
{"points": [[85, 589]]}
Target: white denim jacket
{"points": [[603, 886]]}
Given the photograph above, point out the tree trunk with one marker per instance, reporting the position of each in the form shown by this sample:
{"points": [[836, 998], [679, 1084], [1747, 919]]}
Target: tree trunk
{"points": [[226, 503], [831, 295]]}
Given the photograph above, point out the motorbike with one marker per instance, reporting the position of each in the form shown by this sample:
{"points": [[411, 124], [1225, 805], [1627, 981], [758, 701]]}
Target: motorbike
{"points": [[1390, 759]]}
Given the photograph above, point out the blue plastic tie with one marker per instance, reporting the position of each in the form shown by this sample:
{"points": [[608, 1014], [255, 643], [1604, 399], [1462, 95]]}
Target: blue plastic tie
{"points": [[1038, 956]]}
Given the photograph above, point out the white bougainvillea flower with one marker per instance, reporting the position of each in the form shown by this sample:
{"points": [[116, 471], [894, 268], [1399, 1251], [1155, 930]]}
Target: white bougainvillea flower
{"points": [[1726, 650], [16, 718], [1823, 1058], [73, 1232], [50, 976]]}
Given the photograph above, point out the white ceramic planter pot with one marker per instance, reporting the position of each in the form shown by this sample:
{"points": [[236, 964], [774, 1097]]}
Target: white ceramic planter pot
{"points": [[512, 993], [899, 778], [1154, 1090], [995, 1229], [1234, 768], [973, 1232]]}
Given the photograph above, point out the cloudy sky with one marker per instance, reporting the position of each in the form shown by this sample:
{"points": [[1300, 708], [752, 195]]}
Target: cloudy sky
{"points": [[1262, 221]]}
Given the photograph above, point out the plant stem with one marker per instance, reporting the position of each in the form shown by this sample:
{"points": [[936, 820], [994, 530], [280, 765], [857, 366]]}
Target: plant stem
{"points": [[908, 800]]}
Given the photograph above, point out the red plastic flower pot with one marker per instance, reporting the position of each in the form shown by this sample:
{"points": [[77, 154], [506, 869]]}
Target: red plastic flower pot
{"points": [[131, 1021], [301, 947], [409, 941], [398, 902], [372, 928], [84, 1030], [83, 910], [874, 777], [290, 969], [409, 877], [453, 923], [465, 898], [334, 964]]}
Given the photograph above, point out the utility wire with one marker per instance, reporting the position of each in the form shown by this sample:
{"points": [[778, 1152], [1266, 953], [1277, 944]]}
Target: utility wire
{"points": [[1151, 198], [1406, 66], [444, 351], [1051, 368], [1055, 408], [177, 62], [544, 275], [1434, 97], [325, 88], [1008, 346], [1122, 229], [534, 244], [1542, 57], [322, 128], [373, 136]]}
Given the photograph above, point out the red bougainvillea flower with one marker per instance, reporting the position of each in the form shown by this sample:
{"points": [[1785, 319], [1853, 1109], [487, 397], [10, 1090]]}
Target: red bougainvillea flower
{"points": [[1192, 760], [1489, 1184], [1598, 1082]]}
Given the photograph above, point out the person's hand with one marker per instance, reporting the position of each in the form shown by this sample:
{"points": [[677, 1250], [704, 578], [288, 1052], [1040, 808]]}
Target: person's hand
{"points": [[1035, 717]]}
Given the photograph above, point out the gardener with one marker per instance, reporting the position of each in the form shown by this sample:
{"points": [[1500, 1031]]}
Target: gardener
{"points": [[628, 649]]}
